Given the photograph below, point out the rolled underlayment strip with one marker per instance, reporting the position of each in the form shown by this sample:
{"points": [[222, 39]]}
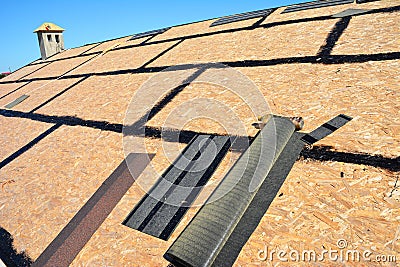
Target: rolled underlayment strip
{"points": [[206, 235]]}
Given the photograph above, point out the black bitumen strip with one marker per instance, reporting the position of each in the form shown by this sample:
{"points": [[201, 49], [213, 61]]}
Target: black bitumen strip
{"points": [[149, 204], [244, 16], [28, 146], [161, 210], [181, 211], [327, 153], [149, 33], [365, 1], [316, 4], [71, 240], [326, 129], [16, 101]]}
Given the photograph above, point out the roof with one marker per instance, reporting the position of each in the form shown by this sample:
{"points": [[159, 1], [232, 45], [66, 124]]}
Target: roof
{"points": [[66, 141], [49, 27]]}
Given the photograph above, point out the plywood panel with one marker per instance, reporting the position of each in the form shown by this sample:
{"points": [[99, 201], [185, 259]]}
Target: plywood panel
{"points": [[39, 92], [258, 44], [52, 181], [16, 133], [98, 98], [58, 68], [365, 33]]}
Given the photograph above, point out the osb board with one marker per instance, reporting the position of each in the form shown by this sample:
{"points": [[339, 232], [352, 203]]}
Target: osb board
{"points": [[200, 28], [100, 98], [58, 68], [128, 42], [126, 246], [22, 72], [24, 90], [107, 45], [123, 59], [9, 87], [52, 181], [226, 113], [378, 4], [316, 208], [70, 52], [369, 92], [325, 11], [16, 133], [300, 39], [366, 35], [39, 92]]}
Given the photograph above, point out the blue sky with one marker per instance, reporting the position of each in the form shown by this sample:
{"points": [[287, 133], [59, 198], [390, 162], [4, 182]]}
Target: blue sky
{"points": [[93, 21]]}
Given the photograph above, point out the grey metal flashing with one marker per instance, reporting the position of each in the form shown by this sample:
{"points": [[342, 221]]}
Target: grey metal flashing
{"points": [[16, 101], [350, 12]]}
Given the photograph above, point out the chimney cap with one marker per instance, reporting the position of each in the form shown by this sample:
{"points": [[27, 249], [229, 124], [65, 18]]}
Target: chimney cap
{"points": [[49, 27]]}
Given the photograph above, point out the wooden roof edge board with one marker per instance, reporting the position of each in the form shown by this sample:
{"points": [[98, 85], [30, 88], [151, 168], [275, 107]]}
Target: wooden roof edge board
{"points": [[243, 16], [316, 4]]}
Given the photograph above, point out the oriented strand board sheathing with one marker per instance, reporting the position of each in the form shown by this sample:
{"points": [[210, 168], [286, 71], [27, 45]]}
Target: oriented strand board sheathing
{"points": [[107, 45], [16, 133], [316, 208], [123, 59], [23, 72], [321, 201], [208, 108], [58, 68], [134, 247], [201, 28], [100, 98], [278, 16], [39, 92], [71, 52], [365, 33], [318, 92], [52, 181], [7, 88], [258, 44]]}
